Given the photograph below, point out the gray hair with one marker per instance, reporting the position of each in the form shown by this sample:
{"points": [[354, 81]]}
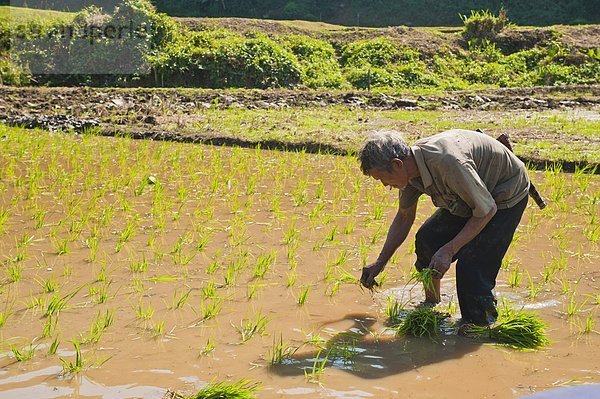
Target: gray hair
{"points": [[379, 148]]}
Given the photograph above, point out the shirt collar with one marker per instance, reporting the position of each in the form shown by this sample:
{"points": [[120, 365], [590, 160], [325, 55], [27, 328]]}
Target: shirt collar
{"points": [[421, 166]]}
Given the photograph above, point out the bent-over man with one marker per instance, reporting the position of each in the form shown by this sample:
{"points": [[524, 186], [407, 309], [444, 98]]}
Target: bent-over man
{"points": [[481, 190]]}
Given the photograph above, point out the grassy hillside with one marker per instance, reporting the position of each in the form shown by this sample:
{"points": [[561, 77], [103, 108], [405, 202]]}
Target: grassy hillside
{"points": [[20, 15], [258, 53]]}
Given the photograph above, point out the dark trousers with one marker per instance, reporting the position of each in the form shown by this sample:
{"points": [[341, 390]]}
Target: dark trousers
{"points": [[478, 262]]}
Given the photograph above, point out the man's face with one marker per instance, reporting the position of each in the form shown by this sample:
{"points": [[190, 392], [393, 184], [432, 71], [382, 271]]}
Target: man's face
{"points": [[397, 177]]}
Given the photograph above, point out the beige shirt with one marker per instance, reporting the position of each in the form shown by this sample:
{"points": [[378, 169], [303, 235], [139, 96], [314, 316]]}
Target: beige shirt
{"points": [[466, 172]]}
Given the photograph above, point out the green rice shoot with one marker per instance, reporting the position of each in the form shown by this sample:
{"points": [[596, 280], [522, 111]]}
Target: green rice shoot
{"points": [[421, 322], [516, 329], [243, 389], [425, 277]]}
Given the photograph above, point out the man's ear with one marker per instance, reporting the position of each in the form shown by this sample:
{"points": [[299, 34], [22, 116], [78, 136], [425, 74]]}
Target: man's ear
{"points": [[397, 163]]}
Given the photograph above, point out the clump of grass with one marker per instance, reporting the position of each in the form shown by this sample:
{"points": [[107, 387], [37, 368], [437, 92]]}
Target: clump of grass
{"points": [[420, 322], [517, 329], [243, 389]]}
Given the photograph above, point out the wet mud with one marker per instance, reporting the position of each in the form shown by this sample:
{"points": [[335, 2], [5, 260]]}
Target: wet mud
{"points": [[205, 223]]}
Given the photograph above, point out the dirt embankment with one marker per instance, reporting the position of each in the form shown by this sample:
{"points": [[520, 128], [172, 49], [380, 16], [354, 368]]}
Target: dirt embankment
{"points": [[138, 112]]}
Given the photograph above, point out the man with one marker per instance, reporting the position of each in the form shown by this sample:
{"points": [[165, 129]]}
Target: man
{"points": [[481, 190]]}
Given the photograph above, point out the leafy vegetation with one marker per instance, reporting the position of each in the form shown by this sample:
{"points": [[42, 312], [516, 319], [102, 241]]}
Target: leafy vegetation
{"points": [[168, 54]]}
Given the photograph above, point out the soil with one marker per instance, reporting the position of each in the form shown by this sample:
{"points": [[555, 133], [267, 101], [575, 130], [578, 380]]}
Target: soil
{"points": [[105, 172]]}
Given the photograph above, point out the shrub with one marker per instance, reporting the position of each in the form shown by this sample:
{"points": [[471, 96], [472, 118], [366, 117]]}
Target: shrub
{"points": [[483, 25], [11, 73], [378, 52], [317, 60]]}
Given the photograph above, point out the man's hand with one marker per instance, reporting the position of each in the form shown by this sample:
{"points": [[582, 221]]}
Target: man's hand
{"points": [[367, 279], [440, 262]]}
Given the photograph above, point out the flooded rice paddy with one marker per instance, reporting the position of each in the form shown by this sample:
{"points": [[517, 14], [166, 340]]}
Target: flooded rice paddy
{"points": [[133, 267]]}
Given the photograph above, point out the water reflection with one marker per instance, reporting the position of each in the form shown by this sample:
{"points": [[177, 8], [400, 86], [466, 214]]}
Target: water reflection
{"points": [[364, 354]]}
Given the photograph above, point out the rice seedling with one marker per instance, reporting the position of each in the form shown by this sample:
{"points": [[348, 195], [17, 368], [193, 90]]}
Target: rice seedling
{"points": [[78, 365], [242, 389], [49, 327], [280, 351], [139, 265], [343, 348], [144, 313], [53, 346], [180, 299], [209, 347], [303, 294], [534, 289], [420, 322], [157, 329], [317, 370], [102, 293], [516, 329], [393, 310], [98, 326], [573, 307], [515, 276], [209, 310], [264, 263], [251, 326], [62, 246], [14, 271], [57, 303], [4, 215], [4, 315], [49, 285], [588, 324], [292, 277], [23, 354], [126, 234]]}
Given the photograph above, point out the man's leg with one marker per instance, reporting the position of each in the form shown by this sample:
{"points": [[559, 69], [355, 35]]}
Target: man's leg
{"points": [[437, 230], [479, 262]]}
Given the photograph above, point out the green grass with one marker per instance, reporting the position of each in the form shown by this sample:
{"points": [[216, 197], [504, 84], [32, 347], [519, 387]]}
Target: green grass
{"points": [[243, 389], [555, 135], [20, 15]]}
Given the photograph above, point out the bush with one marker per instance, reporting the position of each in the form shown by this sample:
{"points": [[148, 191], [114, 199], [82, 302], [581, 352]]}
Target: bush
{"points": [[483, 25], [318, 62], [11, 73], [378, 52]]}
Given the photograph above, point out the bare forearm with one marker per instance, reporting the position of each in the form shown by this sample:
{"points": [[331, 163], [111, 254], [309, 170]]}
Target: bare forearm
{"points": [[397, 233]]}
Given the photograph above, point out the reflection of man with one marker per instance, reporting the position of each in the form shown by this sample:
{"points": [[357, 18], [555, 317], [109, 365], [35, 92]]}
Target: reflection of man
{"points": [[481, 189]]}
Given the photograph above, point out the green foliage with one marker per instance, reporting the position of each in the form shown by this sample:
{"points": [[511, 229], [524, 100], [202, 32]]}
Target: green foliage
{"points": [[483, 25], [381, 62], [420, 322], [517, 329], [317, 60], [243, 389], [220, 58]]}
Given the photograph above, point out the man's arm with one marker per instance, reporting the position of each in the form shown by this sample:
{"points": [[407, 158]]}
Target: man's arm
{"points": [[396, 235], [441, 260]]}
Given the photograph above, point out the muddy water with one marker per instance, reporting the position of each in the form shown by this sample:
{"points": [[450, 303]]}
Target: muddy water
{"points": [[204, 219]]}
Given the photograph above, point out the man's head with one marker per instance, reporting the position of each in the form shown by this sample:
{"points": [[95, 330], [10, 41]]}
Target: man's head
{"points": [[382, 157]]}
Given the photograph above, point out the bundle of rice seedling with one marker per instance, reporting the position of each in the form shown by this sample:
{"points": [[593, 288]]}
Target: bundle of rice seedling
{"points": [[518, 329], [421, 322], [243, 389]]}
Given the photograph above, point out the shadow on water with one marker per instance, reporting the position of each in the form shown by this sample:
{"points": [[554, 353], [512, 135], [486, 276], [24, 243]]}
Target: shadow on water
{"points": [[360, 352]]}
